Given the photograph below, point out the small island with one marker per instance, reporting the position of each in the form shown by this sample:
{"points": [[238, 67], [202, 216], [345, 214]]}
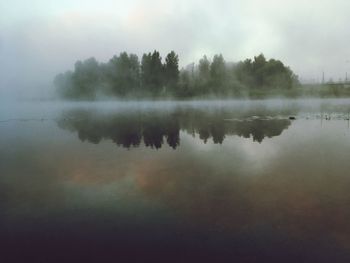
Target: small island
{"points": [[124, 76]]}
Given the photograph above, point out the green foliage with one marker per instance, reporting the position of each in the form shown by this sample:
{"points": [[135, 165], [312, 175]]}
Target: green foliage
{"points": [[125, 76], [171, 71], [263, 74], [152, 73], [186, 85], [218, 74], [122, 74], [85, 79], [204, 74], [64, 85]]}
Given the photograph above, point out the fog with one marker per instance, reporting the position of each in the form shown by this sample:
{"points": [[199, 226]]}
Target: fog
{"points": [[305, 108], [42, 38], [174, 131], [219, 179]]}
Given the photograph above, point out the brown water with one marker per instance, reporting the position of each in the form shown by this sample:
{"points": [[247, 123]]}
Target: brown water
{"points": [[232, 181]]}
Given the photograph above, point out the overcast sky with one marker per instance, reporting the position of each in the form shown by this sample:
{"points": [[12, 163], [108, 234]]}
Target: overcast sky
{"points": [[39, 38]]}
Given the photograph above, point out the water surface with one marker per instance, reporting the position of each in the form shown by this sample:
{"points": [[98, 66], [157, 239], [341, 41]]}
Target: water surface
{"points": [[220, 181]]}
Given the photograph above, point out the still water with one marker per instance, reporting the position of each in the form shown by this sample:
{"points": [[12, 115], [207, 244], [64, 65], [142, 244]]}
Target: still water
{"points": [[219, 181]]}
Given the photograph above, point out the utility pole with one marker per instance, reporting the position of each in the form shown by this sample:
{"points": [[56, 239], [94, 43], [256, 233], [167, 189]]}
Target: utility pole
{"points": [[346, 72], [322, 77]]}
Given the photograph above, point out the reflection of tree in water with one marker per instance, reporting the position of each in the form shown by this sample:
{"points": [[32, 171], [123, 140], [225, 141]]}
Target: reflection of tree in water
{"points": [[155, 128], [259, 129], [129, 129], [125, 130]]}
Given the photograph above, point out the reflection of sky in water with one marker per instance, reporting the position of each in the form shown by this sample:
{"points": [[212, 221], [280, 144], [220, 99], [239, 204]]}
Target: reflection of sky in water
{"points": [[287, 195]]}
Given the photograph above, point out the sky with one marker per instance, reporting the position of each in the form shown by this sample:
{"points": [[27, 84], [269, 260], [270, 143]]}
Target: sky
{"points": [[40, 38]]}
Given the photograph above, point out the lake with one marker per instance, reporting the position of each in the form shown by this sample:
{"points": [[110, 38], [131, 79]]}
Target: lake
{"points": [[203, 181]]}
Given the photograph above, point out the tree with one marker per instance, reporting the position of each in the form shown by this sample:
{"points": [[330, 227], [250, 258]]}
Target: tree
{"points": [[258, 70], [171, 70], [63, 84], [186, 85], [123, 74], [244, 72], [204, 74], [218, 73], [260, 73], [152, 73], [85, 78], [278, 76]]}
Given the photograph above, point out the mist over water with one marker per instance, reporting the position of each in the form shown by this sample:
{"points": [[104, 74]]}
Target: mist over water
{"points": [[245, 181], [174, 131]]}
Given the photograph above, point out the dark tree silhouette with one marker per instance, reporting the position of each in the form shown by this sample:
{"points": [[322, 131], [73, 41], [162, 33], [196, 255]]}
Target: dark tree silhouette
{"points": [[218, 74], [123, 76], [152, 73], [204, 74], [171, 71]]}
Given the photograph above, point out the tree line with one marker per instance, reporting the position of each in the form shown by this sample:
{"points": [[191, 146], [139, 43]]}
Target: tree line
{"points": [[126, 76]]}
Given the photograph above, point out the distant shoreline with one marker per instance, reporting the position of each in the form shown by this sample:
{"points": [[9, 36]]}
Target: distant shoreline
{"points": [[316, 91]]}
